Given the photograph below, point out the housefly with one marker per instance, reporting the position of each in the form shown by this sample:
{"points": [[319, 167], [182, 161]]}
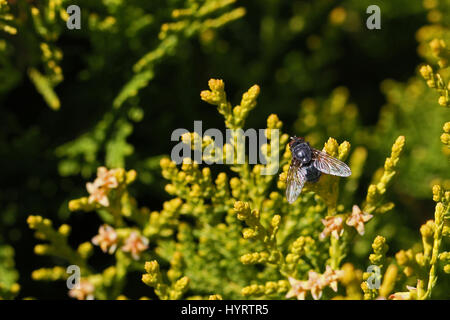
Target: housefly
{"points": [[307, 165]]}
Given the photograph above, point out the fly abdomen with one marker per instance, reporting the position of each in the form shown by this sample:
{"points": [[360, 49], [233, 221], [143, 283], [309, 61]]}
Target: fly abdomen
{"points": [[312, 174]]}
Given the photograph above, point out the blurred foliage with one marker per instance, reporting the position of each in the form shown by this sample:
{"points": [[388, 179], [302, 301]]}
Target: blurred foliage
{"points": [[112, 92], [8, 275]]}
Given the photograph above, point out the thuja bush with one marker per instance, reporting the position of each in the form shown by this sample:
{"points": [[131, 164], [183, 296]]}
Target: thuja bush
{"points": [[235, 235], [225, 231]]}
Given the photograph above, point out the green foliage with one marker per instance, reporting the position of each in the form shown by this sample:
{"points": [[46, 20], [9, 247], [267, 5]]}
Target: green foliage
{"points": [[76, 102], [8, 275], [209, 253]]}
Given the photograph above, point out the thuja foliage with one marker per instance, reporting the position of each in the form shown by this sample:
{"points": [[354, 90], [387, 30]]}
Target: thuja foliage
{"points": [[228, 231], [108, 26], [234, 235]]}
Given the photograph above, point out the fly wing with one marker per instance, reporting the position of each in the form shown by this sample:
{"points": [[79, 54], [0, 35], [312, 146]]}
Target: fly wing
{"points": [[295, 181], [329, 165]]}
